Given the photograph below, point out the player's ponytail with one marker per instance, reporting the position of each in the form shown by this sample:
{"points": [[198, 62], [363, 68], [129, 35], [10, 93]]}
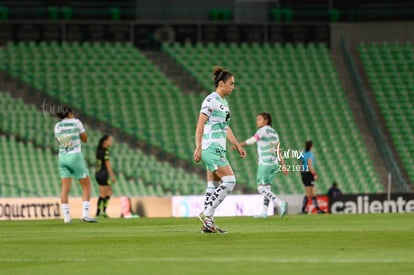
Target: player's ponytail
{"points": [[308, 145], [220, 75]]}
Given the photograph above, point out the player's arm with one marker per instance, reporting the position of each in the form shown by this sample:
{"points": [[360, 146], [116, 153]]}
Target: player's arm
{"points": [[202, 119], [249, 141], [57, 134], [83, 135], [110, 171], [232, 138], [311, 169]]}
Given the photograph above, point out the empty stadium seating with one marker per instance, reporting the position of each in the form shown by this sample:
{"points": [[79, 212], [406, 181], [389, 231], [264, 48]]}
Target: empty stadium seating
{"points": [[300, 87], [113, 82], [29, 161], [297, 84], [390, 70]]}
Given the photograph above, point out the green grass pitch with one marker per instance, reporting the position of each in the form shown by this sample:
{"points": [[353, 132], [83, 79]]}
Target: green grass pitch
{"points": [[297, 244]]}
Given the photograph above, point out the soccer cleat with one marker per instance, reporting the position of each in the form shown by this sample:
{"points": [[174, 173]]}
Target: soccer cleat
{"points": [[88, 219], [261, 216], [104, 215], [208, 222], [218, 230], [283, 209], [321, 212], [221, 231], [206, 230], [67, 220]]}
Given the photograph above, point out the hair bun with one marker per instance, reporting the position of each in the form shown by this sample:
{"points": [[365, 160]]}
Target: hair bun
{"points": [[217, 70]]}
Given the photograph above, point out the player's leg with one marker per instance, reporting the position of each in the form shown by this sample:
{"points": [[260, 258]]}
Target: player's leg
{"points": [[306, 184], [260, 182], [66, 179], [265, 208], [108, 194], [101, 200], [267, 175], [219, 168], [64, 199], [102, 179], [308, 196], [86, 195], [228, 182], [315, 200], [267, 193], [212, 182], [82, 174]]}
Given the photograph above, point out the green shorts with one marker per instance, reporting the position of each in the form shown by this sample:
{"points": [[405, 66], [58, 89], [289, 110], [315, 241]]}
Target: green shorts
{"points": [[266, 174], [72, 165], [214, 157]]}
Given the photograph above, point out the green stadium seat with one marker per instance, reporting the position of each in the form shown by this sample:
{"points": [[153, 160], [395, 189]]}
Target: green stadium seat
{"points": [[280, 89], [388, 69], [35, 162]]}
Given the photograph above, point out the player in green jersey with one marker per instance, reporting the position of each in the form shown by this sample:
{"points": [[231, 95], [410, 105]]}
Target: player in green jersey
{"points": [[212, 130], [69, 133], [267, 141]]}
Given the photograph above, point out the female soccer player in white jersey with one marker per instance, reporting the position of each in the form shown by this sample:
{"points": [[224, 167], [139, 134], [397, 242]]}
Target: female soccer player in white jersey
{"points": [[267, 141], [69, 133], [211, 132]]}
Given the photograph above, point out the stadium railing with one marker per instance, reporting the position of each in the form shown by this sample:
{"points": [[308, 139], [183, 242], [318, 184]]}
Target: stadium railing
{"points": [[400, 184]]}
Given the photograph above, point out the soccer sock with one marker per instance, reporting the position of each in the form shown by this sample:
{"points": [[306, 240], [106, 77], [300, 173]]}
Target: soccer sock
{"points": [[66, 211], [267, 193], [220, 193], [209, 192], [99, 206], [304, 203], [85, 208], [266, 202], [315, 202], [105, 204]]}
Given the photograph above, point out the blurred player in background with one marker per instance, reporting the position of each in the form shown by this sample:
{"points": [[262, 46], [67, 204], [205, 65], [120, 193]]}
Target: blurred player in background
{"points": [[212, 130], [104, 175], [69, 133], [267, 141], [334, 191], [309, 177]]}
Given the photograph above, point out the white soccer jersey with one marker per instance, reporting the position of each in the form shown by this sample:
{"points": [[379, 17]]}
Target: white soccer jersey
{"points": [[67, 133], [215, 128], [267, 139]]}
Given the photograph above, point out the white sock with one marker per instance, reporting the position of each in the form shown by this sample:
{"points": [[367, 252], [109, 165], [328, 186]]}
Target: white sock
{"points": [[267, 193], [85, 209], [221, 192], [66, 212], [265, 205], [211, 187]]}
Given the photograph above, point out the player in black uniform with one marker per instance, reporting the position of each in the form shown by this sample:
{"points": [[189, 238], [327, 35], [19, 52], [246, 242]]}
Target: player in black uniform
{"points": [[104, 174]]}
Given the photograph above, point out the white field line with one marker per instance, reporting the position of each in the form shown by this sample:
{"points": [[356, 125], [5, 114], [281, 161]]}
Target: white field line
{"points": [[210, 260]]}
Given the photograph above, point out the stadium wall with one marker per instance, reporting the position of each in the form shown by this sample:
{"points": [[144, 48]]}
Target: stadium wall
{"points": [[191, 206], [377, 32]]}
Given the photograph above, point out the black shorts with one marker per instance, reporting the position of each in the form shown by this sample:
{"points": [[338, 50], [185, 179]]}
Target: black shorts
{"points": [[307, 178], [102, 177]]}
